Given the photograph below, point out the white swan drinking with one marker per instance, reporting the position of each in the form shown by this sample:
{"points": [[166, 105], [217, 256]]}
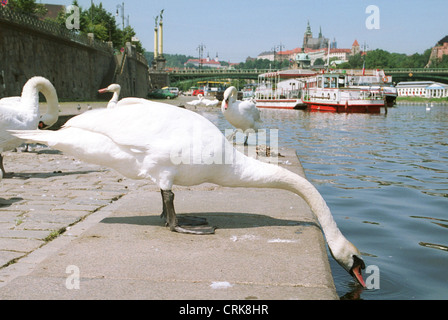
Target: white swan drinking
{"points": [[22, 113], [175, 146]]}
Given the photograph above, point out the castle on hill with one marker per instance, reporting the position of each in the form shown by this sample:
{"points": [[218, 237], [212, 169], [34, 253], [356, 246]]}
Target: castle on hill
{"points": [[313, 49]]}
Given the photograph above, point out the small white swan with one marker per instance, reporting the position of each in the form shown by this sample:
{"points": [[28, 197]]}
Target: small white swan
{"points": [[116, 89], [22, 113], [197, 102], [210, 103], [175, 146], [243, 115]]}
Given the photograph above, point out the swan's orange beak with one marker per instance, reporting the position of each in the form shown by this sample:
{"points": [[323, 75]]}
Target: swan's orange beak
{"points": [[356, 270], [226, 104], [103, 91]]}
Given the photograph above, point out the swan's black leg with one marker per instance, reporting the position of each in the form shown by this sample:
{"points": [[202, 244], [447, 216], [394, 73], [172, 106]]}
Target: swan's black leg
{"points": [[190, 225], [231, 136], [1, 165], [246, 138], [163, 215]]}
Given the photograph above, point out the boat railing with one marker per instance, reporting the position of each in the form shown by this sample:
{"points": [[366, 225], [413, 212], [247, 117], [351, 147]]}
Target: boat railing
{"points": [[342, 94], [279, 93]]}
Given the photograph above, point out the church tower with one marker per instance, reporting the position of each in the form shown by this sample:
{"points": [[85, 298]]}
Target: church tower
{"points": [[355, 48], [308, 35]]}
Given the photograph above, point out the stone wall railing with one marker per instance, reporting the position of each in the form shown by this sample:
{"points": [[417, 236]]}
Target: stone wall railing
{"points": [[50, 28]]}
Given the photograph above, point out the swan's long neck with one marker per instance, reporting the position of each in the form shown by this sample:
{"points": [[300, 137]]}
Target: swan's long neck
{"points": [[30, 98], [115, 97], [256, 174]]}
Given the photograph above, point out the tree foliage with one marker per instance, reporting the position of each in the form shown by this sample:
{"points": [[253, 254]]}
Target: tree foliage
{"points": [[27, 7], [263, 64], [381, 59], [102, 24]]}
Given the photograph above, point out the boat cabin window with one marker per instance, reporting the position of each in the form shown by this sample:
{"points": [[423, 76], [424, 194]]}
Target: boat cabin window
{"points": [[330, 82], [341, 82]]}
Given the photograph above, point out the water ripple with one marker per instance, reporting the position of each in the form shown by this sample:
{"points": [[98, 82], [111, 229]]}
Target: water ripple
{"points": [[385, 179]]}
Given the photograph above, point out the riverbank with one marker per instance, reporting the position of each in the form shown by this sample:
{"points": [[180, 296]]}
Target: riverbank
{"points": [[420, 100]]}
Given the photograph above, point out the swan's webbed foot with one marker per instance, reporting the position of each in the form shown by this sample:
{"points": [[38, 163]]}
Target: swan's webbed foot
{"points": [[184, 224]]}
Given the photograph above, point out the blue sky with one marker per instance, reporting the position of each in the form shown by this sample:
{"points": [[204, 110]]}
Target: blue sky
{"points": [[236, 29]]}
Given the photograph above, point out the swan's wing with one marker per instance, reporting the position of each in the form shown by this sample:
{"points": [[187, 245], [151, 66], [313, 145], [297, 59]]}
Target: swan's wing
{"points": [[145, 125], [248, 108], [10, 101], [11, 118]]}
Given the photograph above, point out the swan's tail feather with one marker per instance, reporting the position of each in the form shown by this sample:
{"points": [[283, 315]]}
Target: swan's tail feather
{"points": [[36, 136]]}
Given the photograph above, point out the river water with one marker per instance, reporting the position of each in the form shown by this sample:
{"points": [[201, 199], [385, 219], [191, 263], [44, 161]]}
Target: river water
{"points": [[385, 179]]}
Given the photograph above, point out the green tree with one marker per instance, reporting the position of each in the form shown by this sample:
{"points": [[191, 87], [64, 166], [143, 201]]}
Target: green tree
{"points": [[319, 62], [128, 34], [27, 7], [102, 24]]}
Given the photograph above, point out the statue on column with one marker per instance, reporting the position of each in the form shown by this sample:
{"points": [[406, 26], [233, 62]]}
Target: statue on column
{"points": [[161, 15]]}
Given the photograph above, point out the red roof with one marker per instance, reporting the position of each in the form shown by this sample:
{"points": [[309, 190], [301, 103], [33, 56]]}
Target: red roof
{"points": [[355, 44], [203, 61], [340, 50], [288, 52]]}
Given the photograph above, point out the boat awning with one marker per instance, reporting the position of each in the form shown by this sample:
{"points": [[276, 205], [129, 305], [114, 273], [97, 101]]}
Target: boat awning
{"points": [[287, 74]]}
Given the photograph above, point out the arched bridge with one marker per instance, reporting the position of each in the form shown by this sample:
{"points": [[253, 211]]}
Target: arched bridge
{"points": [[210, 74], [402, 74], [418, 74]]}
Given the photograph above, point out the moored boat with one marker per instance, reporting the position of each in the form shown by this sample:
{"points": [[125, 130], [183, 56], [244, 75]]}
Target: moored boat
{"points": [[373, 80], [282, 89], [329, 92]]}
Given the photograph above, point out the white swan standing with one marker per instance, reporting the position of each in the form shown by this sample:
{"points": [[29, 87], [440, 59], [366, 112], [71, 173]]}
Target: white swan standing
{"points": [[197, 102], [116, 89], [175, 146], [243, 115], [22, 113]]}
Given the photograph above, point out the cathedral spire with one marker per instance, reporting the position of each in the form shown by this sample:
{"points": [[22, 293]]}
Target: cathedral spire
{"points": [[308, 29]]}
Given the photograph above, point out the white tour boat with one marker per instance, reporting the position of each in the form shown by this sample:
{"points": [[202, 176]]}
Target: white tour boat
{"points": [[281, 89], [331, 92]]}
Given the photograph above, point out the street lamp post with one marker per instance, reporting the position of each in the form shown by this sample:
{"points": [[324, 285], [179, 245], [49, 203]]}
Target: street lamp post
{"points": [[121, 6]]}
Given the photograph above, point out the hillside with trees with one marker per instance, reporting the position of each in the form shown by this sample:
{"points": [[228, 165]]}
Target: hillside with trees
{"points": [[172, 60], [102, 24], [381, 59], [375, 59], [94, 20]]}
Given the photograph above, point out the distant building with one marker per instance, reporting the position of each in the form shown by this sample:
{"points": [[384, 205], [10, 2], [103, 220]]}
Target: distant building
{"points": [[53, 10], [268, 55], [439, 50], [355, 48], [340, 54], [314, 43], [303, 60], [424, 89], [313, 49], [205, 63]]}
